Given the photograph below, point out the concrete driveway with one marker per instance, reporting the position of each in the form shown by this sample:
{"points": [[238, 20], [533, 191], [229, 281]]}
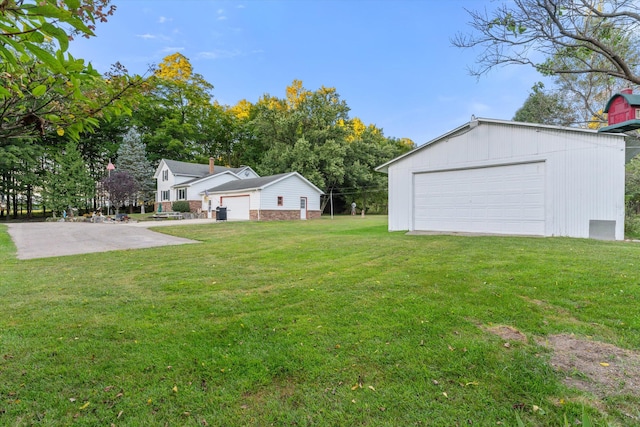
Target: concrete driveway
{"points": [[49, 239]]}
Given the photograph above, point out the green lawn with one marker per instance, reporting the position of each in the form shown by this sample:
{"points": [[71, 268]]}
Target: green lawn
{"points": [[325, 323]]}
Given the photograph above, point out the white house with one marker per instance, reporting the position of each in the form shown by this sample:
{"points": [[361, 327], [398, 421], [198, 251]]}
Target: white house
{"points": [[275, 197], [503, 177], [243, 193], [185, 181]]}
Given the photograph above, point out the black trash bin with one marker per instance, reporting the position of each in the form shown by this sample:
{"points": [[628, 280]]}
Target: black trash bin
{"points": [[221, 213]]}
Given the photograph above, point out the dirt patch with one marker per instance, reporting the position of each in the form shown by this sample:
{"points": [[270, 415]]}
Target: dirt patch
{"points": [[507, 333], [592, 366], [599, 368]]}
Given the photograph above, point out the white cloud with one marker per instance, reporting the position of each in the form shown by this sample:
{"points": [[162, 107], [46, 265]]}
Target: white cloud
{"points": [[146, 36], [171, 49], [219, 54], [163, 19]]}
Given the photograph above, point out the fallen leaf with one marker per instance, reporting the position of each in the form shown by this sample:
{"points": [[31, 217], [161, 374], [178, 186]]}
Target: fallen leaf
{"points": [[450, 348], [353, 401], [471, 383], [435, 382], [175, 389], [445, 394], [85, 405], [605, 364], [72, 399], [354, 387], [506, 345], [371, 388], [120, 414]]}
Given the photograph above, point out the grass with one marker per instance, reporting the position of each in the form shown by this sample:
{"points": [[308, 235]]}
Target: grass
{"points": [[325, 322]]}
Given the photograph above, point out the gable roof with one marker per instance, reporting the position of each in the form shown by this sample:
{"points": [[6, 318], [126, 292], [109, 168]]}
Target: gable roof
{"points": [[474, 123], [257, 183], [196, 170]]}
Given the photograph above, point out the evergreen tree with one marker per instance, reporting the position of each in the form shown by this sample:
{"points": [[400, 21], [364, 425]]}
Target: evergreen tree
{"points": [[132, 158], [68, 183]]}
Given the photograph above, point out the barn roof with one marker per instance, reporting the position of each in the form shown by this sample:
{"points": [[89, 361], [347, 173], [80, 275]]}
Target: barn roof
{"points": [[629, 97]]}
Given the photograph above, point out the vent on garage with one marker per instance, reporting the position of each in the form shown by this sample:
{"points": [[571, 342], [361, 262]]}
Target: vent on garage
{"points": [[602, 230]]}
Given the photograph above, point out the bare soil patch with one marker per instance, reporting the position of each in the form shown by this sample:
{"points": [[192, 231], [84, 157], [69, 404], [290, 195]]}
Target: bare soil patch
{"points": [[591, 366], [595, 367]]}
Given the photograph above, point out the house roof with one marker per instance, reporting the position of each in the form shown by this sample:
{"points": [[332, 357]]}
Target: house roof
{"points": [[195, 169], [474, 123], [257, 183], [629, 97]]}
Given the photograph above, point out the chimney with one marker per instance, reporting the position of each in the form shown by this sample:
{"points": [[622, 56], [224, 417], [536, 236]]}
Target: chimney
{"points": [[211, 165]]}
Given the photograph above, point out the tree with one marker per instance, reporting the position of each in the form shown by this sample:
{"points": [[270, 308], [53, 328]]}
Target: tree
{"points": [[44, 89], [68, 184], [120, 187], [546, 108], [577, 37], [132, 158], [172, 117]]}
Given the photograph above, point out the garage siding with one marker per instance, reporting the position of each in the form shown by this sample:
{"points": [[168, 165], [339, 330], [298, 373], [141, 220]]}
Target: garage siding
{"points": [[498, 199], [579, 179]]}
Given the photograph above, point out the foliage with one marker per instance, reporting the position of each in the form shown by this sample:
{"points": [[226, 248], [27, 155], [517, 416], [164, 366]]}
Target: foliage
{"points": [[68, 184], [330, 322], [45, 89], [310, 132], [574, 38], [546, 108], [173, 116], [132, 158], [120, 187], [181, 206]]}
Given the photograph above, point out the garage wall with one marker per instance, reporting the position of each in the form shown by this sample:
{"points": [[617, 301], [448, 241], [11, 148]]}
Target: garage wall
{"points": [[583, 172]]}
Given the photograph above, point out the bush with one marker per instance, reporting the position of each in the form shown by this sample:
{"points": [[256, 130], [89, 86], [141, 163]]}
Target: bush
{"points": [[181, 206]]}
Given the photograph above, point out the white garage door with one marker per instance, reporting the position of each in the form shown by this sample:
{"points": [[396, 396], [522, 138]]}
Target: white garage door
{"points": [[237, 207], [498, 199]]}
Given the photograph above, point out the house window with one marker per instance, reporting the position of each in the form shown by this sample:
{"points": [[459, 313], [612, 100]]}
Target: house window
{"points": [[164, 195], [637, 113], [181, 194], [165, 175], [280, 201]]}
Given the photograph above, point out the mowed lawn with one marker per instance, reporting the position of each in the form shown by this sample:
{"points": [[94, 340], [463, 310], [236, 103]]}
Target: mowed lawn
{"points": [[317, 323]]}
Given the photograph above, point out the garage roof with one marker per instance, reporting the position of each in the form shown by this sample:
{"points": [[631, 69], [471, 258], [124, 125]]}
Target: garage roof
{"points": [[256, 183], [472, 124]]}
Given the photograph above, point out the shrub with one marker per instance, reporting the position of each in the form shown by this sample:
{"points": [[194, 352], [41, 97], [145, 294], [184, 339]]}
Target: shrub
{"points": [[181, 206]]}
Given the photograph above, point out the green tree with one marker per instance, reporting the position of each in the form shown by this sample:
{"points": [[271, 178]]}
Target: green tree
{"points": [[545, 108], [171, 117], [572, 37], [68, 184], [132, 158]]}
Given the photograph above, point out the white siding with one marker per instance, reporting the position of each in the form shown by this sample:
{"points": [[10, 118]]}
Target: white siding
{"points": [[507, 199], [291, 189], [164, 185], [584, 172]]}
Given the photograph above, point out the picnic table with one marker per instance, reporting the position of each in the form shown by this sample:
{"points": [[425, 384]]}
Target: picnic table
{"points": [[167, 215]]}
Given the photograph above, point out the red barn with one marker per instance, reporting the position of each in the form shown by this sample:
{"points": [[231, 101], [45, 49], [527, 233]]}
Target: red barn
{"points": [[623, 112]]}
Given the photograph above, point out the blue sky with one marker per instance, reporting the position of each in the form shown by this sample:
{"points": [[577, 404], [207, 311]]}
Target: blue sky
{"points": [[391, 61]]}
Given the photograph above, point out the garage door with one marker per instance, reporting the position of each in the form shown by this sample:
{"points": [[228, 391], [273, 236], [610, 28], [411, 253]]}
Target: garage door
{"points": [[237, 207], [498, 199]]}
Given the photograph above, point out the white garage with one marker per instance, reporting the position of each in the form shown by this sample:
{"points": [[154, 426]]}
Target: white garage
{"points": [[502, 177], [238, 207]]}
